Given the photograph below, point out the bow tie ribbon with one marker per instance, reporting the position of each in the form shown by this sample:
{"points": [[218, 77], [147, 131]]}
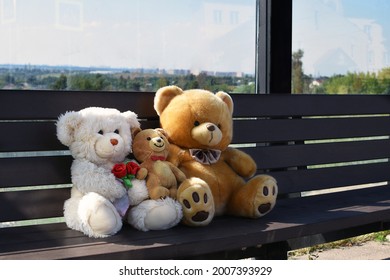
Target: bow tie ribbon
{"points": [[155, 158], [205, 156]]}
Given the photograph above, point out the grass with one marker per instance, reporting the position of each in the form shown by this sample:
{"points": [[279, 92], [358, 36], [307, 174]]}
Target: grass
{"points": [[349, 242]]}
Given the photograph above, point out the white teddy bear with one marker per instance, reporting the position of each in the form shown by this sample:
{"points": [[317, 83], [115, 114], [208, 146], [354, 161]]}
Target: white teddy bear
{"points": [[98, 139]]}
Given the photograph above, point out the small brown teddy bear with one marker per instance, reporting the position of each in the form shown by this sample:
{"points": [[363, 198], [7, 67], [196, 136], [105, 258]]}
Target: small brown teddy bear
{"points": [[150, 149]]}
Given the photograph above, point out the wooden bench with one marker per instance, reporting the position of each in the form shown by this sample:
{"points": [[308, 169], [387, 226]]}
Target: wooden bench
{"points": [[309, 143]]}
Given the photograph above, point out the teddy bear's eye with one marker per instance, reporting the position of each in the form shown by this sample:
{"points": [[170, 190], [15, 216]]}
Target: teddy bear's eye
{"points": [[219, 126], [148, 138], [100, 132], [116, 131], [196, 123]]}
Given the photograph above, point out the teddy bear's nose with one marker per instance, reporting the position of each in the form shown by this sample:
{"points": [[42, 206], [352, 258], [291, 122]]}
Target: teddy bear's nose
{"points": [[210, 127], [114, 142]]}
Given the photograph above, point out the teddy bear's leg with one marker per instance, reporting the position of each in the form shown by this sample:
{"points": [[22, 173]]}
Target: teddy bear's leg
{"points": [[255, 199], [72, 219], [155, 189], [155, 214], [138, 192], [98, 216], [197, 201], [173, 192]]}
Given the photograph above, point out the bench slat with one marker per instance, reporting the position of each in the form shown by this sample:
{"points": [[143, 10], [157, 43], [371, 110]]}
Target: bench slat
{"points": [[287, 105], [293, 181], [279, 130], [285, 156], [33, 171], [32, 204], [53, 103], [29, 136]]}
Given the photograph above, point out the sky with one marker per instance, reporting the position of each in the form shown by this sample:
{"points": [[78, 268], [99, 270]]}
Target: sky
{"points": [[211, 35]]}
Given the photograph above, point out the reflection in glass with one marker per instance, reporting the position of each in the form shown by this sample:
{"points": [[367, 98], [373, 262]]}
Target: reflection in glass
{"points": [[127, 45]]}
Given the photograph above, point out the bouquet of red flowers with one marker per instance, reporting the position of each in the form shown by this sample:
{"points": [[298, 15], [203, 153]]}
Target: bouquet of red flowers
{"points": [[126, 171]]}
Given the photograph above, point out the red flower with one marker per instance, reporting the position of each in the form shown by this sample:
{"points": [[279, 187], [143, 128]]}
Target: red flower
{"points": [[126, 172], [132, 168], [119, 170]]}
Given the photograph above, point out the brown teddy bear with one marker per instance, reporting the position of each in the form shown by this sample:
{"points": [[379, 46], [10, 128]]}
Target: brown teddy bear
{"points": [[151, 148], [199, 126]]}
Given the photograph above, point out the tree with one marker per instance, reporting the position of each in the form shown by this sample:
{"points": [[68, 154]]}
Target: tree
{"points": [[80, 82], [9, 79], [203, 81], [355, 83], [162, 82], [98, 82], [297, 72], [61, 83], [384, 79]]}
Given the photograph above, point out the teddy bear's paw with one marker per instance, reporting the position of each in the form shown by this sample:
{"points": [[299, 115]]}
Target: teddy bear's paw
{"points": [[173, 192], [142, 173], [265, 197], [255, 199], [98, 215], [156, 214], [197, 201]]}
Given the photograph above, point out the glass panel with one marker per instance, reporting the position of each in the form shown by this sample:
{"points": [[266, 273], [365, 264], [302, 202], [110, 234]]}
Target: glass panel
{"points": [[135, 45], [341, 46]]}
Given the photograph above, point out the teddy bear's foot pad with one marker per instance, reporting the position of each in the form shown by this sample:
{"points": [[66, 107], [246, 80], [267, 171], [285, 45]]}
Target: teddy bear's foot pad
{"points": [[264, 208], [200, 216], [198, 205], [255, 199], [266, 194]]}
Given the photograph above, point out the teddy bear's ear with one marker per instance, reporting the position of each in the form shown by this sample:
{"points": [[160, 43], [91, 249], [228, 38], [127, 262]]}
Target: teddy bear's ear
{"points": [[164, 96], [132, 119], [227, 99], [135, 131], [162, 132], [67, 125]]}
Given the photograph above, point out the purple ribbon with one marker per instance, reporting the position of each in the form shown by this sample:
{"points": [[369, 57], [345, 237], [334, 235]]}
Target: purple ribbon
{"points": [[205, 156]]}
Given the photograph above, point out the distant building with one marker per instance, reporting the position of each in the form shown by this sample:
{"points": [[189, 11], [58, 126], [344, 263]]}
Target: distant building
{"points": [[335, 61], [335, 44], [229, 32], [377, 55]]}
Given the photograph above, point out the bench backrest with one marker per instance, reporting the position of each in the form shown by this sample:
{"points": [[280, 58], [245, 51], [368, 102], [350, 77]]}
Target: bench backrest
{"points": [[307, 142]]}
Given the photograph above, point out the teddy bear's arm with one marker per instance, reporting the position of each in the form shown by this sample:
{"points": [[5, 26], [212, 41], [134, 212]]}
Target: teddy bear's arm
{"points": [[142, 173], [180, 176], [175, 154], [88, 177], [240, 162]]}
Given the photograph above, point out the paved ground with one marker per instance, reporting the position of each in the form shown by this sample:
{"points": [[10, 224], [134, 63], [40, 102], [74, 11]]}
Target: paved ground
{"points": [[371, 250]]}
